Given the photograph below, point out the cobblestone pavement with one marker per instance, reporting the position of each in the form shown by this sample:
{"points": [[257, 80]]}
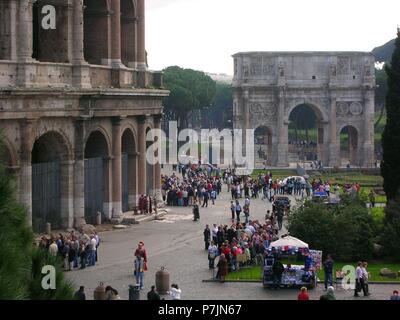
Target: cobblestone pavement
{"points": [[177, 243]]}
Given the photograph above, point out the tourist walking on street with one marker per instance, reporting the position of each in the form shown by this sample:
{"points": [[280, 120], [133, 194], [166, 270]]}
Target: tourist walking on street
{"points": [[365, 277], [233, 211], [212, 254], [360, 285], [207, 237], [205, 198], [238, 210], [92, 250], [139, 271], [196, 212], [328, 270], [303, 295], [141, 250]]}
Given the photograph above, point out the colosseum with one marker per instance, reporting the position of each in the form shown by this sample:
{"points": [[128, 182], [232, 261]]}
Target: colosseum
{"points": [[76, 103]]}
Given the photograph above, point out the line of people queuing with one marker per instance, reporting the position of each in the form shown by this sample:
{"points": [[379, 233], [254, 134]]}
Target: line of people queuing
{"points": [[76, 250]]}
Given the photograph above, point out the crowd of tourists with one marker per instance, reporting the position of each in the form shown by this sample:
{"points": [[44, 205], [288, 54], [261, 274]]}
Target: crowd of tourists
{"points": [[77, 250], [196, 186], [238, 245]]}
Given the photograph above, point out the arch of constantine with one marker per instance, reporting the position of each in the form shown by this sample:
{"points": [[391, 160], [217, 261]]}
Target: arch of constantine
{"points": [[337, 86]]}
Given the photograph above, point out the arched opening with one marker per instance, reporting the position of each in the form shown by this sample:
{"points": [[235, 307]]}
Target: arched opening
{"points": [[96, 176], [97, 31], [50, 182], [306, 134], [349, 146], [129, 171], [50, 45], [149, 170], [128, 33], [263, 146]]}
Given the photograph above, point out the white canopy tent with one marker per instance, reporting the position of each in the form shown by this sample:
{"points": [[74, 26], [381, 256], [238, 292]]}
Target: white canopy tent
{"points": [[288, 241]]}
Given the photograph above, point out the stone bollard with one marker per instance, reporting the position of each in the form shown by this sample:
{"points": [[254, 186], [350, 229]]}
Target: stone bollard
{"points": [[48, 229], [98, 218]]}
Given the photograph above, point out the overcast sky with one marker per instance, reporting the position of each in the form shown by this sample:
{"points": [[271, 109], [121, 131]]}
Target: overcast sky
{"points": [[203, 34]]}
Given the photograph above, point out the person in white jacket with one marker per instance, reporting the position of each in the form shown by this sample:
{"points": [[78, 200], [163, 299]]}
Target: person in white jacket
{"points": [[175, 292]]}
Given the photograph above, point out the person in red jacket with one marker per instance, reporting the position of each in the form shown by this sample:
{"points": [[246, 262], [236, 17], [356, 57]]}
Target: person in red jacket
{"points": [[303, 295]]}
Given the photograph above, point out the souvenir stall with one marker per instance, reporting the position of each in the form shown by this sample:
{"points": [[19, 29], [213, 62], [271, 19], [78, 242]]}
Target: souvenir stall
{"points": [[303, 272]]}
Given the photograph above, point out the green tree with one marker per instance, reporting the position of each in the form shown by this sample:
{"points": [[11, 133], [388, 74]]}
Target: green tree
{"points": [[391, 134], [222, 110], [344, 231], [190, 90], [15, 242], [21, 263]]}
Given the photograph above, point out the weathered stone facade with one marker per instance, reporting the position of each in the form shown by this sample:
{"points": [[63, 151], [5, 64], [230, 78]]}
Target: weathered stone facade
{"points": [[338, 86], [75, 105]]}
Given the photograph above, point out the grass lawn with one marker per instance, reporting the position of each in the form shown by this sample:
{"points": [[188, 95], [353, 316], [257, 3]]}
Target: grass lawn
{"points": [[255, 273], [349, 178]]}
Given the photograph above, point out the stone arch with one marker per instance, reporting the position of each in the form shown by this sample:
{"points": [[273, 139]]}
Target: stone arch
{"points": [[318, 110], [128, 33], [97, 175], [263, 145], [50, 181], [51, 45], [307, 149], [349, 138], [129, 125], [129, 169], [97, 31], [101, 130]]}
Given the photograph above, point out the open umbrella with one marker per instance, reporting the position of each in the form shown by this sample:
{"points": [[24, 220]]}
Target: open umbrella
{"points": [[288, 241]]}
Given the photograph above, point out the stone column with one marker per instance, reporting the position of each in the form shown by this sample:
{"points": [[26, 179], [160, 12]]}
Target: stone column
{"points": [[67, 194], [334, 147], [116, 169], [81, 70], [368, 146], [141, 36], [14, 15], [157, 166], [26, 71], [25, 31], [142, 156], [79, 176], [282, 132], [27, 140], [116, 34], [133, 180]]}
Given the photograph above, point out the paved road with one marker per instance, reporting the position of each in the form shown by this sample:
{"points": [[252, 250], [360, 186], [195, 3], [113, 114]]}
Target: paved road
{"points": [[177, 243]]}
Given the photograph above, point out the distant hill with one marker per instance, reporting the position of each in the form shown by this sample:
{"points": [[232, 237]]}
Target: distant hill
{"points": [[384, 53]]}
